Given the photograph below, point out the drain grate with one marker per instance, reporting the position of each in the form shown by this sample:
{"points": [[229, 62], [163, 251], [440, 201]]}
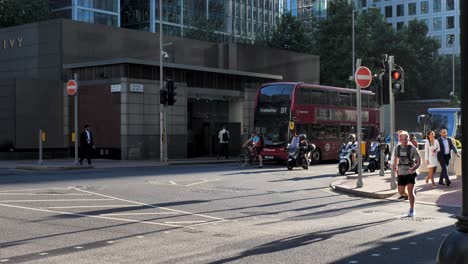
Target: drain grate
{"points": [[415, 219]]}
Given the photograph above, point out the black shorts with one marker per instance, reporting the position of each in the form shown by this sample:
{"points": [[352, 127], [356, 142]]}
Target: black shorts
{"points": [[403, 180]]}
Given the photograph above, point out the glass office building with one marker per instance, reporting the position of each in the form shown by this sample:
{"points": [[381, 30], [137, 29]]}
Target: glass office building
{"points": [[104, 12], [306, 8], [238, 18]]}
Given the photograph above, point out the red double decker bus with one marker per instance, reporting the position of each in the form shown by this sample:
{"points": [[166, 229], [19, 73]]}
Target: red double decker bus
{"points": [[327, 115]]}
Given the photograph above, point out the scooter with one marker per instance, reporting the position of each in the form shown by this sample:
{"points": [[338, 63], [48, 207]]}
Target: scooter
{"points": [[298, 155], [345, 159], [374, 156]]}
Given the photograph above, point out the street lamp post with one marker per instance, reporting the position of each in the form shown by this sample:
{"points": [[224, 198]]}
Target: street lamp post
{"points": [[452, 44], [454, 249], [352, 40], [162, 107]]}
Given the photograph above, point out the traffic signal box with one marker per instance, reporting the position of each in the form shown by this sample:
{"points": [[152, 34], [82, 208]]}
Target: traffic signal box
{"points": [[163, 97], [398, 85], [383, 94], [170, 93]]}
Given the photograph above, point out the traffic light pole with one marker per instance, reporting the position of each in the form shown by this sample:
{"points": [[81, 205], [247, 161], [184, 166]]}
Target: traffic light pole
{"points": [[391, 62], [162, 107]]}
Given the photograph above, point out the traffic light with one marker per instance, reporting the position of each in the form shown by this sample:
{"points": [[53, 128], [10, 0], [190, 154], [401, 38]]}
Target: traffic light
{"points": [[163, 97], [398, 80], [170, 93], [383, 92]]}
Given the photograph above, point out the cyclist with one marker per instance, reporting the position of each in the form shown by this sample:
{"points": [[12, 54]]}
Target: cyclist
{"points": [[256, 147]]}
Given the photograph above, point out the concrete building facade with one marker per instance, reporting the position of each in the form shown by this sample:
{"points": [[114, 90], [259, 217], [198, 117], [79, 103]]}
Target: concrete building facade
{"points": [[118, 79]]}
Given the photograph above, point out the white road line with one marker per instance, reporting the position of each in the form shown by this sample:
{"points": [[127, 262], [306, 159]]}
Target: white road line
{"points": [[169, 209], [162, 213], [92, 216], [48, 194], [56, 188], [204, 181], [185, 222], [89, 206], [173, 183], [56, 200]]}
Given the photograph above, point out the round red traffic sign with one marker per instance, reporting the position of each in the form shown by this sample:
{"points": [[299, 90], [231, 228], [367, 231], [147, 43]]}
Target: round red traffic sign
{"points": [[363, 77], [72, 87]]}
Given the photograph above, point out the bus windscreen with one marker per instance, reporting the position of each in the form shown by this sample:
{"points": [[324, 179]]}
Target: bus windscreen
{"points": [[273, 112]]}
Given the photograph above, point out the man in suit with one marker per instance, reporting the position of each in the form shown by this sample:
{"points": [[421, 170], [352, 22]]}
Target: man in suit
{"points": [[444, 155], [86, 144]]}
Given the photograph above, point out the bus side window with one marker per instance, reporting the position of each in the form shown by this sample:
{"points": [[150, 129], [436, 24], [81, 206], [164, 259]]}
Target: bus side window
{"points": [[332, 98]]}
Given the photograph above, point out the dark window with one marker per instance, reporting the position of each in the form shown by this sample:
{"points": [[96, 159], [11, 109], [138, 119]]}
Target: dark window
{"points": [[388, 11], [450, 22], [412, 9], [400, 25], [400, 10], [450, 5]]}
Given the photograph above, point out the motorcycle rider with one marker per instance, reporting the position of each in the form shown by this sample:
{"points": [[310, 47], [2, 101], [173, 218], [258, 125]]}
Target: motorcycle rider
{"points": [[352, 144]]}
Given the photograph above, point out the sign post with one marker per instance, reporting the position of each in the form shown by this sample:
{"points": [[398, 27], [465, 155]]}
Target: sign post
{"points": [[363, 77], [72, 90]]}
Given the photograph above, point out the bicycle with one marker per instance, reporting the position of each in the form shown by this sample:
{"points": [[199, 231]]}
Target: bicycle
{"points": [[246, 157]]}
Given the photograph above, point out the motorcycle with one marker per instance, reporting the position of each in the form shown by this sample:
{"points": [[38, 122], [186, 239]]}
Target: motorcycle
{"points": [[374, 156], [298, 155], [345, 159]]}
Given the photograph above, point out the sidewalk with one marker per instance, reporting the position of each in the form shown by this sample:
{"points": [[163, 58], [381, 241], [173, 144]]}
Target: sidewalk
{"points": [[375, 186], [68, 164]]}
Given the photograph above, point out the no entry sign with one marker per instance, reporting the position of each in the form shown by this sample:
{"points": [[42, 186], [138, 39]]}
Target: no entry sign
{"points": [[363, 77], [72, 87]]}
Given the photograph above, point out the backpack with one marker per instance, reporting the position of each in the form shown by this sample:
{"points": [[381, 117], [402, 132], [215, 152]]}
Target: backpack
{"points": [[225, 136], [405, 160], [261, 142]]}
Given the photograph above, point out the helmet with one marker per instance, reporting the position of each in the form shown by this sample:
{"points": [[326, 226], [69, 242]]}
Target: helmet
{"points": [[352, 137], [302, 136]]}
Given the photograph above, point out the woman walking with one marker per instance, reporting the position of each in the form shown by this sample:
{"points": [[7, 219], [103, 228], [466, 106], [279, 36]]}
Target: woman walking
{"points": [[430, 154]]}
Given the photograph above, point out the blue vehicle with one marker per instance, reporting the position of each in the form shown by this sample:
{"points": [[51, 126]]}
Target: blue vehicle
{"points": [[437, 118]]}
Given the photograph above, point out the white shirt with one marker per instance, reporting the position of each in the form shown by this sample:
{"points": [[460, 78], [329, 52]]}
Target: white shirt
{"points": [[88, 136], [220, 135], [446, 145]]}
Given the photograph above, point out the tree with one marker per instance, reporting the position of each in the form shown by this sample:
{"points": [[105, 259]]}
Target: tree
{"points": [[335, 44], [18, 12], [290, 34]]}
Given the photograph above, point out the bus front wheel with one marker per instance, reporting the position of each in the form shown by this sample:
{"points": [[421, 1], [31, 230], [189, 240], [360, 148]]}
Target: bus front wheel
{"points": [[316, 156]]}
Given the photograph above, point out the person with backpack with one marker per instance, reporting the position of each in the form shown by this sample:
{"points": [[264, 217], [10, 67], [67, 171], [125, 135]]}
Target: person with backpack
{"points": [[256, 148], [223, 137], [406, 161]]}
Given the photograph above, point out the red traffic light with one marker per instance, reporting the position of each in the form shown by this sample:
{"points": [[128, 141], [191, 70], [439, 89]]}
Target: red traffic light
{"points": [[396, 75]]}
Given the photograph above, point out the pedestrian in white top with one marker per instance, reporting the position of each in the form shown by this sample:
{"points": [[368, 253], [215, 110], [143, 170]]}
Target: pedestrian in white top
{"points": [[223, 137], [430, 156]]}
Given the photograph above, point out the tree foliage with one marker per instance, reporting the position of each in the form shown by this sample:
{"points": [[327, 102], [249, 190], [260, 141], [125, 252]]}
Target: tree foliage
{"points": [[18, 12], [290, 34], [427, 74]]}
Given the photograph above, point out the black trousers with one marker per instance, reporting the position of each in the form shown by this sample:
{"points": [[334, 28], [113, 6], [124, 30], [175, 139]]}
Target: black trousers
{"points": [[224, 150], [86, 153], [444, 162]]}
